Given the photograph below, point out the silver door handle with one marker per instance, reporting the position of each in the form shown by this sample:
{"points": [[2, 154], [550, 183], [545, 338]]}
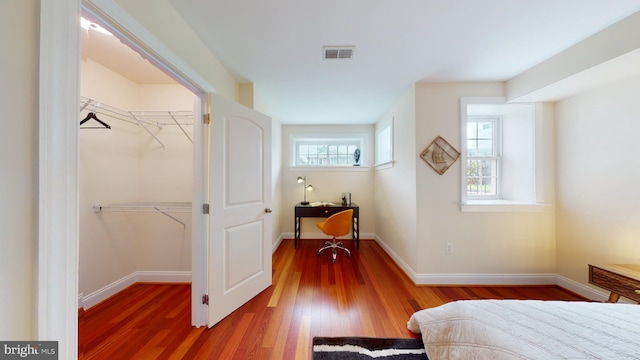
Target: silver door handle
{"points": [[267, 210]]}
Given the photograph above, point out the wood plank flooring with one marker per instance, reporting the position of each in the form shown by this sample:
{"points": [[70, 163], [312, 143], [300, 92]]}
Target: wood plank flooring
{"points": [[365, 295]]}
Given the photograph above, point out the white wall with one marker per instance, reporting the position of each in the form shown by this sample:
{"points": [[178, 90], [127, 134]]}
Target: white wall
{"points": [[328, 185], [18, 164], [123, 165], [395, 187], [598, 179], [484, 243]]}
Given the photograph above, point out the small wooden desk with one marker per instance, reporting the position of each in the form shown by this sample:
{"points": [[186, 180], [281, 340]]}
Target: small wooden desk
{"points": [[619, 279], [324, 212]]}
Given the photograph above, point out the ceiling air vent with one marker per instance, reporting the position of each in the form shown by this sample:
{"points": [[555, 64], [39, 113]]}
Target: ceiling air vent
{"points": [[338, 52]]}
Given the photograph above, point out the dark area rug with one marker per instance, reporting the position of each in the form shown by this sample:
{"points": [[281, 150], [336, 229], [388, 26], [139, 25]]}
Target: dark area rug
{"points": [[357, 348]]}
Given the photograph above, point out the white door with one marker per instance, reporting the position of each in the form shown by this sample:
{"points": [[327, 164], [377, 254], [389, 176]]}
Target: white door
{"points": [[240, 206]]}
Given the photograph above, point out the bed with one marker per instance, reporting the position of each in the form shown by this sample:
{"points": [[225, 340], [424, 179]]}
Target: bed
{"points": [[529, 329]]}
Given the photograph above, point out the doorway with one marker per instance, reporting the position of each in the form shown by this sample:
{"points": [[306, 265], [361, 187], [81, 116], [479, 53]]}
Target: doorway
{"points": [[183, 142], [56, 287], [135, 170]]}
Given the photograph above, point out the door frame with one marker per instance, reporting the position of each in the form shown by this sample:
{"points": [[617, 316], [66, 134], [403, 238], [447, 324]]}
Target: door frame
{"points": [[55, 285]]}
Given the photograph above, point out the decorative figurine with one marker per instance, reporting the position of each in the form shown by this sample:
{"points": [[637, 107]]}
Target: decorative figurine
{"points": [[356, 157]]}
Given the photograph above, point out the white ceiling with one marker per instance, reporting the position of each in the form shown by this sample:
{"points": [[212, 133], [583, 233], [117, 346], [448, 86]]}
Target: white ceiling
{"points": [[277, 46]]}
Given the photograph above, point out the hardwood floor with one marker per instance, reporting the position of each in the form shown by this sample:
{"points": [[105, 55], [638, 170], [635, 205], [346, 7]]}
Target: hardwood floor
{"points": [[365, 295]]}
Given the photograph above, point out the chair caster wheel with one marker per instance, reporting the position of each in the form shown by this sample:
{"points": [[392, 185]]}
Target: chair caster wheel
{"points": [[333, 261], [318, 253], [348, 255]]}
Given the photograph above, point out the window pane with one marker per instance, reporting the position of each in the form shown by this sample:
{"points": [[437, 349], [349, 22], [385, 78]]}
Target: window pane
{"points": [[326, 152], [485, 148], [482, 177], [480, 138]]}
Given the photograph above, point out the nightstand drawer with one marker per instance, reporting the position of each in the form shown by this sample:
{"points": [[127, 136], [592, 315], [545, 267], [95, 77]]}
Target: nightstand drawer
{"points": [[614, 282]]}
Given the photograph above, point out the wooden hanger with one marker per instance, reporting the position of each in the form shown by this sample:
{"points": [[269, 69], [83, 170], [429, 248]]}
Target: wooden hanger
{"points": [[93, 116]]}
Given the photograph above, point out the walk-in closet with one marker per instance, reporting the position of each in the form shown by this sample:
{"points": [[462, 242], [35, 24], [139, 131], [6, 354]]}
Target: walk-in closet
{"points": [[135, 165]]}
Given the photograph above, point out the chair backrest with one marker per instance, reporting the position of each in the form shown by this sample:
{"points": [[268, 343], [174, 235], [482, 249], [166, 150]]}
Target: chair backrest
{"points": [[338, 224]]}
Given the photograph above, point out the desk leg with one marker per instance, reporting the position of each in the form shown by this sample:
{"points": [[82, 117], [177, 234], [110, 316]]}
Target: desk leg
{"points": [[356, 232], [296, 231]]}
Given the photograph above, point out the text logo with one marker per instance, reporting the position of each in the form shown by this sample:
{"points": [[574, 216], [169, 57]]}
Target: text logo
{"points": [[33, 350]]}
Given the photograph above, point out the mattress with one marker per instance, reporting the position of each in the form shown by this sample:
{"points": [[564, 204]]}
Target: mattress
{"points": [[529, 329]]}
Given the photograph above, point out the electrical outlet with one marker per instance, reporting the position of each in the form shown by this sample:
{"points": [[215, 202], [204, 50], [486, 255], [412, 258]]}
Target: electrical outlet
{"points": [[449, 248]]}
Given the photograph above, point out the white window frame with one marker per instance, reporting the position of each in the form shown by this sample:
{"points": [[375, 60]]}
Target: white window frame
{"points": [[533, 203], [296, 140], [495, 156]]}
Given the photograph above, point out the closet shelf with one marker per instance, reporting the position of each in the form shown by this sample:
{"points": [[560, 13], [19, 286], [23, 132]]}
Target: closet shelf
{"points": [[163, 208], [150, 117], [180, 207], [142, 118]]}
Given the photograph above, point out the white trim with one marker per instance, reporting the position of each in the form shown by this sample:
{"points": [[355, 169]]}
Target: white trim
{"points": [[581, 289], [100, 295], [57, 267], [386, 165], [278, 242], [486, 279], [310, 235], [590, 292], [329, 168], [501, 206], [467, 279], [397, 259]]}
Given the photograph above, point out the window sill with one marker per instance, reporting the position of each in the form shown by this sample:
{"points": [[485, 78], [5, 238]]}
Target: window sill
{"points": [[328, 168], [501, 206], [385, 165]]}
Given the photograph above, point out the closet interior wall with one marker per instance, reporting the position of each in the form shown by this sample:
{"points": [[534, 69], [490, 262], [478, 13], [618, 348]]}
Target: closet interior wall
{"points": [[125, 164]]}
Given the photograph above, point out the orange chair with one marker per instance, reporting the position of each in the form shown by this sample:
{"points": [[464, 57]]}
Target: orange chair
{"points": [[338, 224]]}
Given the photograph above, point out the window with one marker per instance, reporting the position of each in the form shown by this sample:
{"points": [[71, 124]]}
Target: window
{"points": [[483, 157], [499, 152], [384, 143], [327, 151]]}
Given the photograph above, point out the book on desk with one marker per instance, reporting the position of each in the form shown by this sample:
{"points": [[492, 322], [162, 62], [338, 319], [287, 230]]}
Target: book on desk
{"points": [[322, 203]]}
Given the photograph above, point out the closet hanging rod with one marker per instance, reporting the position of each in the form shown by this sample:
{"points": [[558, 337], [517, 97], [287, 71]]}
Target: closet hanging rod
{"points": [[156, 118], [163, 208], [176, 207]]}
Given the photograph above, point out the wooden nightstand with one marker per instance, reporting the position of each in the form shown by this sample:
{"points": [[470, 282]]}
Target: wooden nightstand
{"points": [[620, 279]]}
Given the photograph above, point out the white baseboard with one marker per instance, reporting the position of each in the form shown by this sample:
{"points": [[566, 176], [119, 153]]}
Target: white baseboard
{"points": [[397, 259], [486, 279], [310, 235], [467, 279], [582, 289], [283, 236], [164, 276], [100, 295], [587, 291]]}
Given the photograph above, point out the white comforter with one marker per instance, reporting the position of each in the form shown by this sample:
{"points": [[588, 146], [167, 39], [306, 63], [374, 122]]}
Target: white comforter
{"points": [[529, 329]]}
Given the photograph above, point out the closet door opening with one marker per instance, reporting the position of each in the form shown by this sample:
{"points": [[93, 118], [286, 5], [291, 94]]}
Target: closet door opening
{"points": [[136, 170]]}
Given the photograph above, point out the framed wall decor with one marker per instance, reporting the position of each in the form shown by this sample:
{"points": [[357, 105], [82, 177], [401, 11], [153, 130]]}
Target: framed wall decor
{"points": [[440, 155]]}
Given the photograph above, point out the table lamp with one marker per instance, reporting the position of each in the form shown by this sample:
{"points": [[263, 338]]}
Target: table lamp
{"points": [[303, 179]]}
